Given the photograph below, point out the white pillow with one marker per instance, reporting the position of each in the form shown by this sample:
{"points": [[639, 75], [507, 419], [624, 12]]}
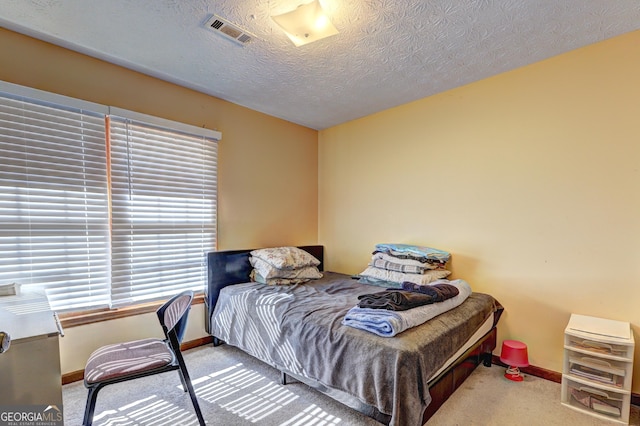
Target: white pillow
{"points": [[255, 276], [267, 271], [285, 257]]}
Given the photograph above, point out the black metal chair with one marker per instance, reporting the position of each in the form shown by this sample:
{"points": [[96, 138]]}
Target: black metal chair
{"points": [[140, 358]]}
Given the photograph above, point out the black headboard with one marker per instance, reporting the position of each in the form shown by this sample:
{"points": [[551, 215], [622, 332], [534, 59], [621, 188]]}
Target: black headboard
{"points": [[230, 267]]}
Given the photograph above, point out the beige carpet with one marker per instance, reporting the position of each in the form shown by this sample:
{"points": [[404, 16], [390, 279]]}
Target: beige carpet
{"points": [[235, 389], [487, 398]]}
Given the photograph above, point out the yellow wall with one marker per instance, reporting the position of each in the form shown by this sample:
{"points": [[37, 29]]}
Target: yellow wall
{"points": [[531, 179], [267, 167]]}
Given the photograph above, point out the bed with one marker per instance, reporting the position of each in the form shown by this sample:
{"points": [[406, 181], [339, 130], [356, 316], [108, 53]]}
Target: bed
{"points": [[298, 329]]}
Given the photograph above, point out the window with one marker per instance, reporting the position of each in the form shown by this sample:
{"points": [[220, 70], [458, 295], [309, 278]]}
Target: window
{"points": [[164, 209], [102, 210], [53, 200]]}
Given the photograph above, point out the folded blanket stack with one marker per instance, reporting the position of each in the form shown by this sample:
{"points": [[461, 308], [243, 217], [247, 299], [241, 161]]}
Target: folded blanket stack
{"points": [[393, 264]]}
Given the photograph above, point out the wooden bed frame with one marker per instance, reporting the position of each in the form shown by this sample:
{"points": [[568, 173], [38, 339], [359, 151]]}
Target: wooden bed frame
{"points": [[232, 267]]}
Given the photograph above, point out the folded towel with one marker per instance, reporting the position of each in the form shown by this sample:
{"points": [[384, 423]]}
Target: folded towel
{"points": [[387, 323], [395, 300], [378, 321], [414, 295], [439, 290]]}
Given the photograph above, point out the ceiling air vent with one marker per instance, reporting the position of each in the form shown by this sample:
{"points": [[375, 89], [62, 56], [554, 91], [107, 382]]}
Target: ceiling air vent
{"points": [[229, 30]]}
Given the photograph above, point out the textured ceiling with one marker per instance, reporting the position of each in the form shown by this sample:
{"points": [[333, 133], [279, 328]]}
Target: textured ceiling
{"points": [[387, 53]]}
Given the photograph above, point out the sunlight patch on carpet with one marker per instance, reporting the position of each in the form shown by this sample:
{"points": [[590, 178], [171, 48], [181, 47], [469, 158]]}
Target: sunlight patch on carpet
{"points": [[313, 415], [151, 410], [243, 392], [251, 396]]}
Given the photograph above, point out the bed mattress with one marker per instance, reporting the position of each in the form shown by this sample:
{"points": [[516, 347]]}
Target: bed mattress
{"points": [[298, 330]]}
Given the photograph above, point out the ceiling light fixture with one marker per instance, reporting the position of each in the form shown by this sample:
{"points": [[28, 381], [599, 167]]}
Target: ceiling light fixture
{"points": [[306, 24]]}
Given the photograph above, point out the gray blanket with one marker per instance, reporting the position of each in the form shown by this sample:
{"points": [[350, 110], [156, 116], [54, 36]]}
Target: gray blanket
{"points": [[298, 329]]}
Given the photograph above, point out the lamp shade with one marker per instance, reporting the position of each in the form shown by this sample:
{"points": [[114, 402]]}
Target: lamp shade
{"points": [[514, 353]]}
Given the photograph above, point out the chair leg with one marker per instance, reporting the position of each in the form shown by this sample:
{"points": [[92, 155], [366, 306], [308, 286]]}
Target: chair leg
{"points": [[90, 406], [186, 381], [194, 400]]}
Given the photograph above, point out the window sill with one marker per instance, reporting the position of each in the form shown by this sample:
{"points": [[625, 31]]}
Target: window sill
{"points": [[74, 319]]}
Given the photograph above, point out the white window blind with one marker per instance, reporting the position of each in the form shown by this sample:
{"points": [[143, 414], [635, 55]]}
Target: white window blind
{"points": [[53, 199], [164, 190]]}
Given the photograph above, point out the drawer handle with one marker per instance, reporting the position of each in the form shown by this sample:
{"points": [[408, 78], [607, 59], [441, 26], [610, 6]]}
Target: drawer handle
{"points": [[597, 345], [597, 361], [594, 391], [5, 341]]}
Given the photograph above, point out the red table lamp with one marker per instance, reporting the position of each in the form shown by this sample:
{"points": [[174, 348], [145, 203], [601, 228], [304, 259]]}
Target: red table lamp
{"points": [[514, 354]]}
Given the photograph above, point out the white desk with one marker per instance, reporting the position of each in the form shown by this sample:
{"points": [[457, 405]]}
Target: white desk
{"points": [[30, 369]]}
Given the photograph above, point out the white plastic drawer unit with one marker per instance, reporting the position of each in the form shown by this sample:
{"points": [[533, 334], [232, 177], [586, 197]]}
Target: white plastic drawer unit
{"points": [[604, 371], [598, 367], [610, 348], [597, 401]]}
